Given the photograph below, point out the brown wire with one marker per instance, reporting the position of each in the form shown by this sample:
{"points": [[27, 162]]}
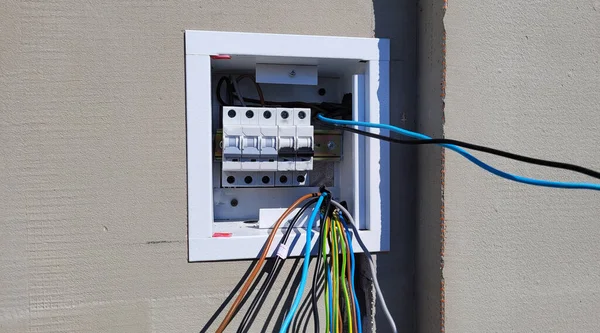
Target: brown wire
{"points": [[260, 262], [259, 91]]}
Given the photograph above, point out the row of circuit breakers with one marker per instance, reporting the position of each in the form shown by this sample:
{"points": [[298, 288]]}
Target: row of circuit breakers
{"points": [[265, 147]]}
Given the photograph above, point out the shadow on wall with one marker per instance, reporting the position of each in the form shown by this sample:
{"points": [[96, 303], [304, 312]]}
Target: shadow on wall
{"points": [[397, 20], [303, 317], [410, 274]]}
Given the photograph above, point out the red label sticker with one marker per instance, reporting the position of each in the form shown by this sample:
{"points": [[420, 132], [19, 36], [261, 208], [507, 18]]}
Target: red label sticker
{"points": [[222, 234], [220, 57]]}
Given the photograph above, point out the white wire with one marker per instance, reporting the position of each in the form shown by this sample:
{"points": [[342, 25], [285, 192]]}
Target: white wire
{"points": [[386, 311], [238, 91]]}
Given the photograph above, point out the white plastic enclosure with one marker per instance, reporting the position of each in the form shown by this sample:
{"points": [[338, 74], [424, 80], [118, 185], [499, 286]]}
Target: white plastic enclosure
{"points": [[226, 223]]}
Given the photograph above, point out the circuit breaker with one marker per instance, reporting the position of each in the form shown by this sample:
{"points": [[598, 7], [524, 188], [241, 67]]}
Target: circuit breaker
{"points": [[254, 144], [266, 147]]}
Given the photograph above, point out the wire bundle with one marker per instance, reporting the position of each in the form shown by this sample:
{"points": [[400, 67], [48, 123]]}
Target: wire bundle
{"points": [[340, 277], [336, 265], [236, 304]]}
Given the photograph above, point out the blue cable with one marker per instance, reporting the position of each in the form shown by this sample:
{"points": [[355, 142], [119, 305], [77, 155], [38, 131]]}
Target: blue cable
{"points": [[307, 248], [467, 155], [330, 287], [349, 235]]}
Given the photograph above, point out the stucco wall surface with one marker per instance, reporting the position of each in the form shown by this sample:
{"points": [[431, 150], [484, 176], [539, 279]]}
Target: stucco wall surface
{"points": [[92, 167], [522, 76]]}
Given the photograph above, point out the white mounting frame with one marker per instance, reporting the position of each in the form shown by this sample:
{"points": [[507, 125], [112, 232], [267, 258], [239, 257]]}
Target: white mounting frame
{"points": [[370, 186]]}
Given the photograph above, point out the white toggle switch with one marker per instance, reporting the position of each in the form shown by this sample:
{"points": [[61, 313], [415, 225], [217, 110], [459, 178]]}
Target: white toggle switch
{"points": [[286, 142], [250, 142], [232, 147], [304, 140], [268, 143], [286, 152], [251, 148], [267, 120], [304, 148], [232, 139]]}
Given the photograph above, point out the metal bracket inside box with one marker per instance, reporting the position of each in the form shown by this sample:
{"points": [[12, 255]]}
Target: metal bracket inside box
{"points": [[328, 145]]}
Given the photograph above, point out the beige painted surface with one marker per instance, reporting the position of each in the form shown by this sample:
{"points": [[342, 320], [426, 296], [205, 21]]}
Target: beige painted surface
{"points": [[92, 159], [522, 76]]}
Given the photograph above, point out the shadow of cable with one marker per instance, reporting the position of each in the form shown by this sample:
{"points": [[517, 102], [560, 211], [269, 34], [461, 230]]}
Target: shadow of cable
{"points": [[228, 299], [282, 302], [289, 286], [267, 285], [306, 309], [260, 276]]}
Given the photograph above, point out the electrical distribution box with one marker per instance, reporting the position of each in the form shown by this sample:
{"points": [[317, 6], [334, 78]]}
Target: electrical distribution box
{"points": [[254, 144]]}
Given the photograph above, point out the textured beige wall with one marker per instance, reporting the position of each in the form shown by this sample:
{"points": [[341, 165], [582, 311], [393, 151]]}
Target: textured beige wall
{"points": [[92, 159], [522, 76]]}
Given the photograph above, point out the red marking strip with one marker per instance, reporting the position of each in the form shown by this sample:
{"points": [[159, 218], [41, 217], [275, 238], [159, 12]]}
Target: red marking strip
{"points": [[220, 57]]}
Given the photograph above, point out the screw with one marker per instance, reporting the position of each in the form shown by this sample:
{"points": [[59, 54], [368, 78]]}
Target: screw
{"points": [[331, 145], [322, 92], [267, 114], [292, 73], [230, 179], [266, 179], [231, 113], [301, 114], [284, 114], [248, 180], [249, 114], [283, 179], [301, 179], [234, 202]]}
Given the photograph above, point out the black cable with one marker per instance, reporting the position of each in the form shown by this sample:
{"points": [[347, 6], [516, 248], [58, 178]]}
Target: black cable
{"points": [[302, 320], [218, 89], [230, 89], [246, 322], [220, 98], [526, 159]]}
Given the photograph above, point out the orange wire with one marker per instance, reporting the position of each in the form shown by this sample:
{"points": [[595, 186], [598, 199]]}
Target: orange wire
{"points": [[260, 262]]}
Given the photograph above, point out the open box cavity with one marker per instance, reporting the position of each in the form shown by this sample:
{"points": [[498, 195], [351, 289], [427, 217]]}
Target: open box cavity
{"points": [[233, 222]]}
